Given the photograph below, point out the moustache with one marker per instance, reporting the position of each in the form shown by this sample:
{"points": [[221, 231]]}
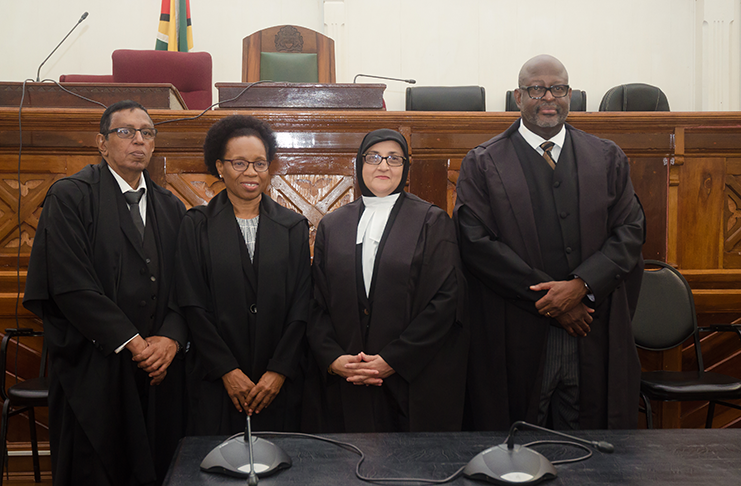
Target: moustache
{"points": [[551, 106]]}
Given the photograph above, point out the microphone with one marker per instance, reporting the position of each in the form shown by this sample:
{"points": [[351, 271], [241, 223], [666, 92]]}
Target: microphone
{"points": [[252, 479], [514, 464], [409, 81], [84, 16], [246, 456], [601, 446]]}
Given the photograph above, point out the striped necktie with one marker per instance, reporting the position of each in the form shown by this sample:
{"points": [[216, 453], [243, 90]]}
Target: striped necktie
{"points": [[547, 147]]}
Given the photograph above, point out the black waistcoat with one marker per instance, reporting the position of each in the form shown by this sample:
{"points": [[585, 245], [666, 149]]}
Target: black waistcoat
{"points": [[555, 199], [140, 272]]}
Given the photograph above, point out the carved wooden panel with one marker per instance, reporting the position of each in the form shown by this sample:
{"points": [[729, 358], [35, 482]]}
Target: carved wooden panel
{"points": [[33, 188], [732, 215], [194, 189], [312, 195]]}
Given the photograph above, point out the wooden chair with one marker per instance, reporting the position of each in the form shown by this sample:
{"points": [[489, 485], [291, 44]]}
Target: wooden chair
{"points": [[288, 53]]}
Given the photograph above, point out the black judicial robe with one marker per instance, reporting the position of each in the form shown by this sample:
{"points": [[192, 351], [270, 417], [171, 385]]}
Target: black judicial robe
{"points": [[85, 247], [502, 257], [244, 315], [414, 318]]}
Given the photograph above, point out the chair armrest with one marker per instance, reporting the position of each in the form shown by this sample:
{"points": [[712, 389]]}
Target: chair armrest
{"points": [[722, 328], [23, 331]]}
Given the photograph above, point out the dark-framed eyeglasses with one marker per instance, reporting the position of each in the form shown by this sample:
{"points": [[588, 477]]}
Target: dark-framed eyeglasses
{"points": [[537, 92], [240, 165], [129, 133], [391, 160]]}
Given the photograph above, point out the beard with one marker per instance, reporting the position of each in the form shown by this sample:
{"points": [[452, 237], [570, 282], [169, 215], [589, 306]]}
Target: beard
{"points": [[534, 118]]}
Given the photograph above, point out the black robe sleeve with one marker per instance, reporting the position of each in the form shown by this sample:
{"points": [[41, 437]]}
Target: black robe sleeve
{"points": [[436, 298], [193, 297], [604, 270], [288, 352], [483, 252], [65, 272], [321, 333]]}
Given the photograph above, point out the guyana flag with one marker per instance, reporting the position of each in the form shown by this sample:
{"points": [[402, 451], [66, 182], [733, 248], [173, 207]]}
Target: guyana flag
{"points": [[175, 32]]}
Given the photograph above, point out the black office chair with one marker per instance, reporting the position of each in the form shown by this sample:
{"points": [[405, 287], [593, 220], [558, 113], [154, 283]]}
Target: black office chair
{"points": [[665, 318], [578, 101], [634, 97], [446, 98], [22, 397]]}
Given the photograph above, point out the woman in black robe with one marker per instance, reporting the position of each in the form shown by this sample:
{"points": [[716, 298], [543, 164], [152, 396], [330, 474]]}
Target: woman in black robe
{"points": [[243, 282], [386, 326]]}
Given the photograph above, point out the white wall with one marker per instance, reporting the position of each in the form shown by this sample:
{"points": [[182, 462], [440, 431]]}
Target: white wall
{"points": [[690, 48]]}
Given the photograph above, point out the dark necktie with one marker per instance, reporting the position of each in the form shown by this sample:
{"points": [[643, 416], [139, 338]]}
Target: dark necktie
{"points": [[547, 147], [133, 198]]}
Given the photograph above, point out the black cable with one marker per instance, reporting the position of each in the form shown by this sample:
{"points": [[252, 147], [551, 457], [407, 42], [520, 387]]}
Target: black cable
{"points": [[20, 239], [353, 448], [567, 443], [73, 93], [18, 214], [217, 103]]}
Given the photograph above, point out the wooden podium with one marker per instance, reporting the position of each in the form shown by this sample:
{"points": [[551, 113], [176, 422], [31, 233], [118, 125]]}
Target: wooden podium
{"points": [[49, 95], [333, 96]]}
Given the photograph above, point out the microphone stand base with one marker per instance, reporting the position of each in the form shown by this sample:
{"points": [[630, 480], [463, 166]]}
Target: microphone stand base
{"points": [[519, 465]]}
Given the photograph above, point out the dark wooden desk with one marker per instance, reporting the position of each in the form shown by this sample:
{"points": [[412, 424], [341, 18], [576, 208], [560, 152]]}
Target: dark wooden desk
{"points": [[283, 96], [642, 457], [49, 95]]}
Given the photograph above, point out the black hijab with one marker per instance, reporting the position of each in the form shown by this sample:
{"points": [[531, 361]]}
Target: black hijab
{"points": [[371, 139]]}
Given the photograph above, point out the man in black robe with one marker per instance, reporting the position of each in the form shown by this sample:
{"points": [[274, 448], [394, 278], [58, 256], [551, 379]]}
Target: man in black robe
{"points": [[551, 234], [99, 277]]}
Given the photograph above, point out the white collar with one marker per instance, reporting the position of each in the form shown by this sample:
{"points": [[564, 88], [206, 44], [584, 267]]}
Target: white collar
{"points": [[123, 185], [370, 231], [375, 215], [534, 140]]}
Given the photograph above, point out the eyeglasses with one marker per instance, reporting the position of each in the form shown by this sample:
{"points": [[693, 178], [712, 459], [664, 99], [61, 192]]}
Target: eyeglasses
{"points": [[129, 133], [391, 160], [240, 165], [537, 92]]}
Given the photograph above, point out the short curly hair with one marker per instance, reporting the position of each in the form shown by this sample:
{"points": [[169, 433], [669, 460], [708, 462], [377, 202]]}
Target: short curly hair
{"points": [[232, 127]]}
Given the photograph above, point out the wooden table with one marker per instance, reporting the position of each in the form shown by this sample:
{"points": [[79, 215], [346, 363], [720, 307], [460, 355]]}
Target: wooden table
{"points": [[642, 457]]}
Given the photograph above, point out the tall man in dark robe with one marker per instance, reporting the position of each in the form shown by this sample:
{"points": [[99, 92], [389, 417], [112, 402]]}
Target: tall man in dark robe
{"points": [[99, 277], [550, 233]]}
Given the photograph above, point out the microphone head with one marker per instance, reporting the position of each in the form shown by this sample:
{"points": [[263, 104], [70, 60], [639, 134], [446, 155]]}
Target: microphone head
{"points": [[603, 446], [84, 16], [412, 81]]}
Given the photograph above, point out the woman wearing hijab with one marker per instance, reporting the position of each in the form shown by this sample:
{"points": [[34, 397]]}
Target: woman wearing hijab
{"points": [[244, 285], [385, 328]]}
